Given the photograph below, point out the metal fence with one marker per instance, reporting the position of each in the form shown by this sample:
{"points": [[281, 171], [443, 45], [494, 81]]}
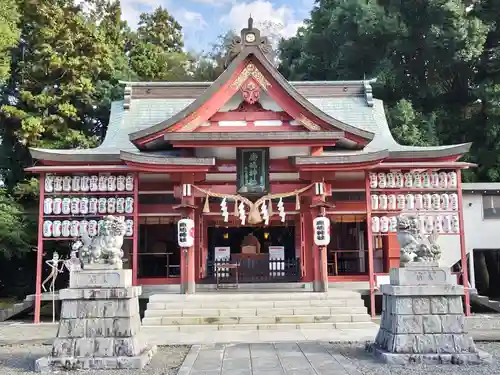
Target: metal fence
{"points": [[253, 270]]}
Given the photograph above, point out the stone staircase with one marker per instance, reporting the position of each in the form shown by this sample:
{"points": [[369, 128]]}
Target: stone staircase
{"points": [[225, 310]]}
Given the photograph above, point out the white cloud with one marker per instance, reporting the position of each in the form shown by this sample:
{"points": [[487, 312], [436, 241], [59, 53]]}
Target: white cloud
{"points": [[263, 11], [212, 2]]}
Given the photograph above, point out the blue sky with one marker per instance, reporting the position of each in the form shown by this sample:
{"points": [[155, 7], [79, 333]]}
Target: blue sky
{"points": [[204, 20]]}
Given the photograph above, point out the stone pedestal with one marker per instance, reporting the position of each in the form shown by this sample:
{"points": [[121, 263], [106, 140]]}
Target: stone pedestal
{"points": [[99, 324], [423, 319]]}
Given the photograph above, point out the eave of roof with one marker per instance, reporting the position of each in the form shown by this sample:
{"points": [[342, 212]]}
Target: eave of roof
{"points": [[257, 136], [160, 159], [224, 77], [341, 158]]}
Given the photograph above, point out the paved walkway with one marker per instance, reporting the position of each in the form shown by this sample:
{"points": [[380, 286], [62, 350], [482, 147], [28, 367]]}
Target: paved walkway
{"points": [[266, 359], [481, 327], [44, 333]]}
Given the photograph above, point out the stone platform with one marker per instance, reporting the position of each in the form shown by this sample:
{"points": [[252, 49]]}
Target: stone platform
{"points": [[423, 320], [99, 324]]}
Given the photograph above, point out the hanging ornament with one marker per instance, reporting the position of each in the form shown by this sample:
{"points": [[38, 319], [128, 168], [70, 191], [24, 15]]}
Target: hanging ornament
{"points": [[206, 206], [281, 210], [242, 213], [270, 208], [297, 202], [223, 208], [265, 213]]}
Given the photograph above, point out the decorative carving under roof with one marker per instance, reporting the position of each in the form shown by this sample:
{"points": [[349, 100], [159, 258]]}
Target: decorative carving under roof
{"points": [[250, 36], [247, 107]]}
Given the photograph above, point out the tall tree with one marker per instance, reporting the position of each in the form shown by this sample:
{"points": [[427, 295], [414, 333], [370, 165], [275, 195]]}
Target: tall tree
{"points": [[160, 29], [9, 17], [426, 54], [155, 50]]}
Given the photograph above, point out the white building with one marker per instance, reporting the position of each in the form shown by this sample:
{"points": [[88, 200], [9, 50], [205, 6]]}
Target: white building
{"points": [[481, 202]]}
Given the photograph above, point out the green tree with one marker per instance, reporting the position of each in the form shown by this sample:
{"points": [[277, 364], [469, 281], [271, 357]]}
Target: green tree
{"points": [[155, 50], [9, 17], [160, 29], [426, 57]]}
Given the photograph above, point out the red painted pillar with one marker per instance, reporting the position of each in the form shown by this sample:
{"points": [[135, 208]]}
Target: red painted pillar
{"points": [[39, 254], [188, 256], [463, 251], [135, 238], [369, 233]]}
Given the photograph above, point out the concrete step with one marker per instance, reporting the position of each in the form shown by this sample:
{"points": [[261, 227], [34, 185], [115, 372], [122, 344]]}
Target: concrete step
{"points": [[215, 312], [233, 297], [279, 319], [194, 304], [153, 322]]}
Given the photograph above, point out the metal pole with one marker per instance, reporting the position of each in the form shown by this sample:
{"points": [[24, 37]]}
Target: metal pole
{"points": [[370, 243], [39, 255]]}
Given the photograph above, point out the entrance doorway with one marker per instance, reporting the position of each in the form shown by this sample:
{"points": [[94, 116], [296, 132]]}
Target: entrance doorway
{"points": [[263, 254]]}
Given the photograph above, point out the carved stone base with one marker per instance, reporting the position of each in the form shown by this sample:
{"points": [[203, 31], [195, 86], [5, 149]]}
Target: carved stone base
{"points": [[431, 359], [99, 325], [423, 320]]}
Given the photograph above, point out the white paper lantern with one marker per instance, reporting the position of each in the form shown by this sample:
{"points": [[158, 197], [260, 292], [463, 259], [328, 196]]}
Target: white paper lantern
{"points": [[452, 180], [58, 184], [76, 183], [399, 180], [410, 202], [382, 181], [454, 202], [66, 206], [67, 183], [85, 183], [417, 180], [103, 182], [384, 224], [434, 180], [49, 183], [47, 228], [382, 202], [426, 201], [445, 202], [375, 224], [391, 202], [94, 183], [391, 180], [426, 180], [408, 180], [93, 206], [66, 226], [443, 180], [393, 224], [48, 206], [373, 180], [102, 205], [374, 199], [435, 202], [57, 228]]}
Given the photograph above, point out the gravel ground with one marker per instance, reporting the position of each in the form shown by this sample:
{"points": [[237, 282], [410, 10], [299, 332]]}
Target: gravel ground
{"points": [[19, 360], [365, 364]]}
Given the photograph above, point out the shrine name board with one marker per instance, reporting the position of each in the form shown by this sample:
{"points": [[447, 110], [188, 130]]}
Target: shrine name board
{"points": [[253, 170]]}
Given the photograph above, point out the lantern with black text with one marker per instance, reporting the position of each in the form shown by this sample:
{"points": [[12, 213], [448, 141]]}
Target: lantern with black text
{"points": [[321, 231], [185, 232]]}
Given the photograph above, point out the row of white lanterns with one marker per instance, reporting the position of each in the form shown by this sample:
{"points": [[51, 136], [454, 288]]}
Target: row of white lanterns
{"points": [[84, 206], [89, 183], [76, 228], [437, 202], [417, 180], [426, 224]]}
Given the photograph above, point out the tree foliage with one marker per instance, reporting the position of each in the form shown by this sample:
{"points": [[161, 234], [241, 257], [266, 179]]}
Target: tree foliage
{"points": [[436, 63], [9, 17]]}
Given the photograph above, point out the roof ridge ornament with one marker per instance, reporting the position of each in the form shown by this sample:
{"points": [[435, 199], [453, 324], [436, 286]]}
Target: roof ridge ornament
{"points": [[249, 36], [368, 91]]}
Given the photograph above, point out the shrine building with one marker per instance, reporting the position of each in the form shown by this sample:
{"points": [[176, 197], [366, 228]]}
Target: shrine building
{"points": [[253, 159]]}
